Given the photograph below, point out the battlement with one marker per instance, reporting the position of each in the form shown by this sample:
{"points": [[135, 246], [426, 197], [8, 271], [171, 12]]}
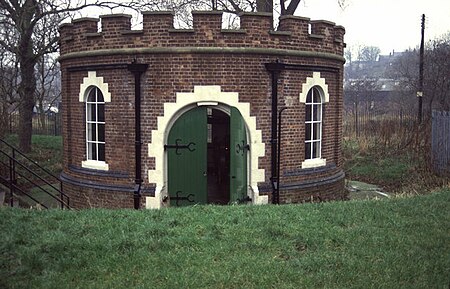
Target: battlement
{"points": [[294, 33]]}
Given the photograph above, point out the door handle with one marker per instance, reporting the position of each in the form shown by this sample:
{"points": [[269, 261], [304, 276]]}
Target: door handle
{"points": [[204, 174]]}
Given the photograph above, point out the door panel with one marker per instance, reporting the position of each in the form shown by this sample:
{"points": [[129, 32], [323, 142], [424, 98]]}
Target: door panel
{"points": [[238, 157], [186, 155]]}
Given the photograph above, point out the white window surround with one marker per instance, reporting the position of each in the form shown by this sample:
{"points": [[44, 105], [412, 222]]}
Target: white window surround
{"points": [[316, 80], [93, 80], [203, 95], [95, 165], [314, 163]]}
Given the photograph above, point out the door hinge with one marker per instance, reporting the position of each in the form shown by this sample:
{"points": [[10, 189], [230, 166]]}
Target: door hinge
{"points": [[177, 146]]}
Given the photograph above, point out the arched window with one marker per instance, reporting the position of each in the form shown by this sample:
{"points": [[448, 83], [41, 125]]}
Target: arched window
{"points": [[94, 93], [314, 96], [95, 125], [313, 124]]}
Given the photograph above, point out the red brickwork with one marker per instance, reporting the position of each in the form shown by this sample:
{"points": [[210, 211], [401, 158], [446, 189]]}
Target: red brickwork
{"points": [[177, 62]]}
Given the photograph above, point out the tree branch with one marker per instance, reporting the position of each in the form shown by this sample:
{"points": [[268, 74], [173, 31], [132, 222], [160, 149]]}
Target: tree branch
{"points": [[8, 47], [291, 7], [235, 6]]}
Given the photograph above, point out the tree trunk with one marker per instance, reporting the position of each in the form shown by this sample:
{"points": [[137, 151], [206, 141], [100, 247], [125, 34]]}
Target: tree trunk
{"points": [[41, 113], [27, 89], [4, 119], [264, 6]]}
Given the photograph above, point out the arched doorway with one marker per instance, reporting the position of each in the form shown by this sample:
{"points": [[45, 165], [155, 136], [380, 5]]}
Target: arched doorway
{"points": [[207, 157]]}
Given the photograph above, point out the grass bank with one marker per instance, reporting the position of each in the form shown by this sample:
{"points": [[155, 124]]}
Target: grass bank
{"points": [[395, 243], [45, 150]]}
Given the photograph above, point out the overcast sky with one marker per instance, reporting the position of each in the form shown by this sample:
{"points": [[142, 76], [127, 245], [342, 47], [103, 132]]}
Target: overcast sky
{"points": [[388, 24]]}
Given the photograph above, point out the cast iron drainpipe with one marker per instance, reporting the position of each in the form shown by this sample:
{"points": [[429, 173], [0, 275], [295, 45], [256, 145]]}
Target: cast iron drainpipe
{"points": [[137, 69], [274, 69], [279, 153]]}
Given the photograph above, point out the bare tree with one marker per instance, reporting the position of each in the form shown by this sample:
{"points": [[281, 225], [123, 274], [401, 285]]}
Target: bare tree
{"points": [[183, 7], [359, 97], [361, 81], [48, 89], [436, 74], [360, 61], [437, 69], [8, 84], [369, 53], [22, 22]]}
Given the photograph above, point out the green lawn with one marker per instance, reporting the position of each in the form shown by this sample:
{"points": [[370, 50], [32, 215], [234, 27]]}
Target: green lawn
{"points": [[44, 197], [393, 243]]}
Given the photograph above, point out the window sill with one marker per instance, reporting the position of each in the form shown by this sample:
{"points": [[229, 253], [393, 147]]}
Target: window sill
{"points": [[95, 165], [314, 163]]}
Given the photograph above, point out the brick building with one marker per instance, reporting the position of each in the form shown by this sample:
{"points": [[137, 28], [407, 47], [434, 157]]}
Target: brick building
{"points": [[170, 117]]}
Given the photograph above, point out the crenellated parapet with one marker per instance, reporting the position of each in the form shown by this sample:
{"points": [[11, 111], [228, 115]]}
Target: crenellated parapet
{"points": [[158, 34]]}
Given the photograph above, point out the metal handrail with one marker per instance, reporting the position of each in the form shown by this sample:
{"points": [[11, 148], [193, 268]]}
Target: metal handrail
{"points": [[60, 200], [29, 159], [13, 172]]}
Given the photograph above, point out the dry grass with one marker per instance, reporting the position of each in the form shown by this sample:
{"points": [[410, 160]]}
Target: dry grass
{"points": [[394, 157]]}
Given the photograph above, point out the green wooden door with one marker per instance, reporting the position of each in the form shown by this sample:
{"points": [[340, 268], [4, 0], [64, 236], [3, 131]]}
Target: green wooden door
{"points": [[186, 154], [238, 157]]}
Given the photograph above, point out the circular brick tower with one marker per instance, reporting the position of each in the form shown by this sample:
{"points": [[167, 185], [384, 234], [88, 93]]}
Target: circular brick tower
{"points": [[172, 117]]}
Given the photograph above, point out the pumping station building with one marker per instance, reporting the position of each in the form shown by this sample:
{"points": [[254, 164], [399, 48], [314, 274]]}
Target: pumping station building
{"points": [[164, 117]]}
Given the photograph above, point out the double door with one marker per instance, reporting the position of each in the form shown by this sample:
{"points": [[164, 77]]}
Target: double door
{"points": [[207, 158]]}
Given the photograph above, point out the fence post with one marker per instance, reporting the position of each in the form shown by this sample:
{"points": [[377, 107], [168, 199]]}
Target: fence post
{"points": [[440, 142], [54, 125], [12, 177]]}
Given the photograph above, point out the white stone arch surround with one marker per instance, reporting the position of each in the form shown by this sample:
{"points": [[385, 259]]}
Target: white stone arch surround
{"points": [[316, 80], [203, 95], [93, 80]]}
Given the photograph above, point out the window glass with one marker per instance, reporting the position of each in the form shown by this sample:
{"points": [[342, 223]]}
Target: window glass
{"points": [[309, 97], [316, 131], [99, 96], [92, 133], [92, 95], [308, 112], [307, 150], [308, 131], [92, 151], [316, 96], [317, 112], [316, 149], [101, 151], [91, 112], [101, 112], [101, 133]]}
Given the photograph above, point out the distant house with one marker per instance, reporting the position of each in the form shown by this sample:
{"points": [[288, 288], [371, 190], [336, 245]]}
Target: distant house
{"points": [[373, 85]]}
